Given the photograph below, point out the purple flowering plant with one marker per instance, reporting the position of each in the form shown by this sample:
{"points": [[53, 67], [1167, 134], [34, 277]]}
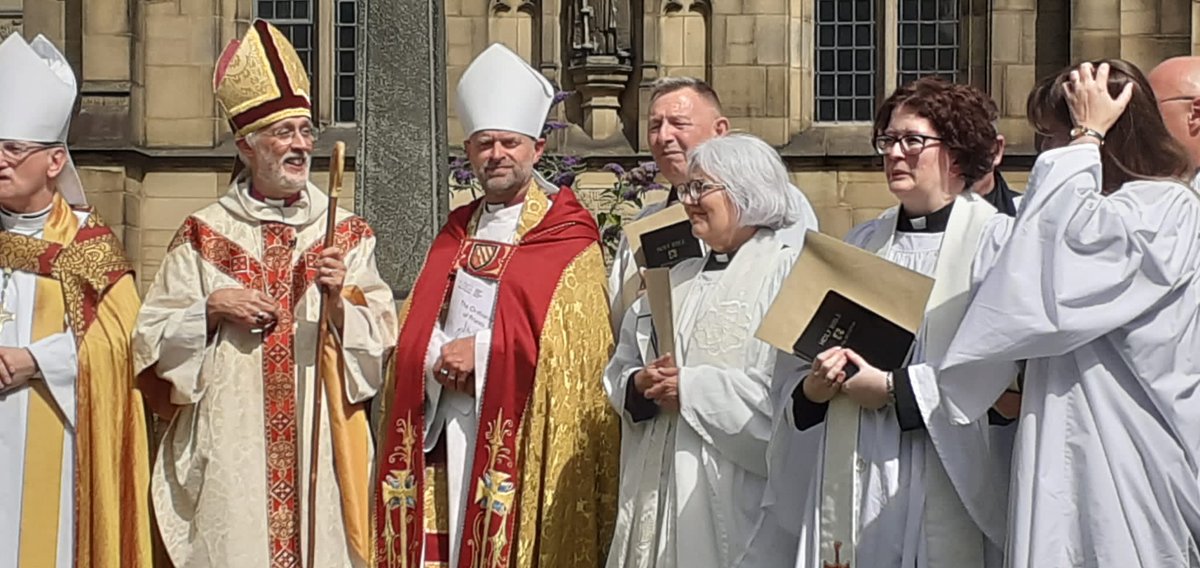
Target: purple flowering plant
{"points": [[626, 194]]}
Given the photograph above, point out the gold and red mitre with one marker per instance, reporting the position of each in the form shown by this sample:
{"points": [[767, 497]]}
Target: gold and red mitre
{"points": [[260, 80]]}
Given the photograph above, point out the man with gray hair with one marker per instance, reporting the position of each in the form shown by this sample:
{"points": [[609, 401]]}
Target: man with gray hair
{"points": [[684, 113]]}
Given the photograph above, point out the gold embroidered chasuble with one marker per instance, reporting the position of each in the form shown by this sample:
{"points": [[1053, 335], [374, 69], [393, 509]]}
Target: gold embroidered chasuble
{"points": [[84, 282], [547, 494]]}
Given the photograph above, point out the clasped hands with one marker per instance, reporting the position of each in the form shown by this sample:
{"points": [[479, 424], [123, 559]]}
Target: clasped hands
{"points": [[17, 366], [455, 367], [868, 388], [659, 381], [258, 312]]}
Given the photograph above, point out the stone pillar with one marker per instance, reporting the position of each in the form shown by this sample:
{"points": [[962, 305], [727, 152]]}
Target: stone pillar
{"points": [[46, 17], [1154, 30], [1013, 68], [600, 81], [401, 166], [1095, 29]]}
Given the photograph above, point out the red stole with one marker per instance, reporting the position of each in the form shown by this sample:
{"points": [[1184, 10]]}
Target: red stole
{"points": [[528, 273]]}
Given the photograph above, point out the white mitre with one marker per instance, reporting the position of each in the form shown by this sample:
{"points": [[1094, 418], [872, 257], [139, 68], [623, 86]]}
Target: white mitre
{"points": [[37, 101], [499, 91]]}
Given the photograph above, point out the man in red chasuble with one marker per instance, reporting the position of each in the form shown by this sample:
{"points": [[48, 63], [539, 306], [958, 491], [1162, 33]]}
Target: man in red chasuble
{"points": [[226, 343], [498, 447]]}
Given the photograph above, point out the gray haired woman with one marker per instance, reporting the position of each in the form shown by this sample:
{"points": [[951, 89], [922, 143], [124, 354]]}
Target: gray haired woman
{"points": [[696, 422]]}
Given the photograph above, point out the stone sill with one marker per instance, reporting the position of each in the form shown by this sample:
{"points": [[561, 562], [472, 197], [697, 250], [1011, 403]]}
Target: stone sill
{"points": [[220, 156]]}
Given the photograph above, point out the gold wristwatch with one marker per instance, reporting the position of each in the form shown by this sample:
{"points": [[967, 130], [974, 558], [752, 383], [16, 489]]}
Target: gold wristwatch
{"points": [[1081, 131]]}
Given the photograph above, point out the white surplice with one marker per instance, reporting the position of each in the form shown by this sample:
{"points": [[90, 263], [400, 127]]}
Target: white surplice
{"points": [[210, 479], [453, 414], [624, 267], [56, 357], [1100, 294], [925, 498], [692, 483]]}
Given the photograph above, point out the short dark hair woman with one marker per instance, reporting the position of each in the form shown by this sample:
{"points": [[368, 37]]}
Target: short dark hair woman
{"points": [[1097, 288], [915, 499]]}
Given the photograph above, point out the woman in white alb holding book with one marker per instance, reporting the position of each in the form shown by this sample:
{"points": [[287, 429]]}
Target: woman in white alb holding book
{"points": [[695, 426], [895, 484]]}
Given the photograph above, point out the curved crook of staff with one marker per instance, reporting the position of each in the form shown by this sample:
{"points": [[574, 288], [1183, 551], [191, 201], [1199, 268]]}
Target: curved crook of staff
{"points": [[337, 164]]}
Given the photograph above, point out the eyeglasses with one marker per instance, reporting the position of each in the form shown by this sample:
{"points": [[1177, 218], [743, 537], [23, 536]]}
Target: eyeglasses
{"points": [[287, 134], [16, 152], [692, 191], [910, 144]]}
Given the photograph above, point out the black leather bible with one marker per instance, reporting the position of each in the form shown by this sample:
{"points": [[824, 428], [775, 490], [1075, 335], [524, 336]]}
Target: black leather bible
{"points": [[667, 246], [842, 322]]}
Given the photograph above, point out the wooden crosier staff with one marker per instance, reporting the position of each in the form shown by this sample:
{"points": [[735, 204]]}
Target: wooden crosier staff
{"points": [[837, 557], [337, 164]]}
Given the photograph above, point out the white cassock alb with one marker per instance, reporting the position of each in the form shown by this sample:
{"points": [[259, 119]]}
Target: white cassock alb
{"points": [[925, 493], [624, 268], [454, 414], [57, 358], [1100, 294], [692, 483]]}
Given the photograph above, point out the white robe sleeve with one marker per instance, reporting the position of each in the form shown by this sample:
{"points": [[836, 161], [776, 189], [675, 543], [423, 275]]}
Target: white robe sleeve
{"points": [[434, 421], [792, 455], [172, 327], [58, 363], [435, 408], [1077, 266], [623, 263], [731, 410], [368, 332], [626, 360], [977, 467]]}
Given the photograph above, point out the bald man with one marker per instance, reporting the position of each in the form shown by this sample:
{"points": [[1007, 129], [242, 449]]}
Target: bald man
{"points": [[1176, 84]]}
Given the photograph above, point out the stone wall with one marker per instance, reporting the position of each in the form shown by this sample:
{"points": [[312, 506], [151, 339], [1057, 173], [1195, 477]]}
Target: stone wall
{"points": [[152, 146]]}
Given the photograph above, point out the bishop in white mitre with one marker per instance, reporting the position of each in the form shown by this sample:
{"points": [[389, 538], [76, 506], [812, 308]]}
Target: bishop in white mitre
{"points": [[227, 344], [502, 451], [73, 456]]}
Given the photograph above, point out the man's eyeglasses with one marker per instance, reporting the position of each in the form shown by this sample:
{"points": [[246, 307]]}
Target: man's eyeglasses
{"points": [[910, 144], [1188, 98], [692, 191], [16, 152], [288, 133]]}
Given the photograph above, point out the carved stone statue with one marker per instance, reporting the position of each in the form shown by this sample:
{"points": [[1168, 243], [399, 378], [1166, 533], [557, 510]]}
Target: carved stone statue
{"points": [[599, 27]]}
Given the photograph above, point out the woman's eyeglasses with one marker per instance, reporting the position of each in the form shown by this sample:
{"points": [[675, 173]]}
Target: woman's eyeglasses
{"points": [[910, 144], [692, 191]]}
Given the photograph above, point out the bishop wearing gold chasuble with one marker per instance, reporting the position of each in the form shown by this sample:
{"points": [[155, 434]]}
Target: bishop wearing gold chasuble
{"points": [[498, 447], [73, 454], [226, 344]]}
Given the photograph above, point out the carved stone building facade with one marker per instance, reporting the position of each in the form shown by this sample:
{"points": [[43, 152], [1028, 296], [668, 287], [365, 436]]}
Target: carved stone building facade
{"points": [[805, 75]]}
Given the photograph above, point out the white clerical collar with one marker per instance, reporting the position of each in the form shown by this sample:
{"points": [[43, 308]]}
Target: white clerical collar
{"points": [[25, 222]]}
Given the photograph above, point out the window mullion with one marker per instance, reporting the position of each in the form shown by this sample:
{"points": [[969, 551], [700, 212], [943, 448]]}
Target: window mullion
{"points": [[889, 55]]}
